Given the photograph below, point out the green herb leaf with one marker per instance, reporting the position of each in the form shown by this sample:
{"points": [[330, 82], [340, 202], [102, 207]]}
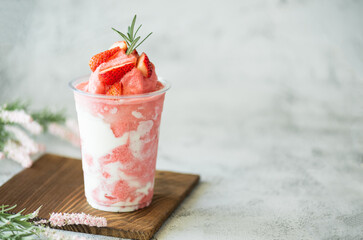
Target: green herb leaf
{"points": [[131, 48], [16, 105], [131, 29], [15, 226], [123, 36], [131, 39]]}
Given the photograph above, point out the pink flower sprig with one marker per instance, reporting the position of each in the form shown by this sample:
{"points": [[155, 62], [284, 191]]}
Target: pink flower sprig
{"points": [[62, 219], [33, 127], [18, 153], [22, 118], [20, 147], [69, 131], [30, 146], [15, 116], [16, 122], [16, 226]]}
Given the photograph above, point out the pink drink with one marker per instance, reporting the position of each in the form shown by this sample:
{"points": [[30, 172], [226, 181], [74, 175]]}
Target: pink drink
{"points": [[119, 138]]}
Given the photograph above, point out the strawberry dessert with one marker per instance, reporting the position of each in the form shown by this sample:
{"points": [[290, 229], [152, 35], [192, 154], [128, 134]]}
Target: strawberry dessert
{"points": [[119, 109]]}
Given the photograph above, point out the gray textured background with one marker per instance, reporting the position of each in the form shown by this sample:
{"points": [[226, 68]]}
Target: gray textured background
{"points": [[266, 103]]}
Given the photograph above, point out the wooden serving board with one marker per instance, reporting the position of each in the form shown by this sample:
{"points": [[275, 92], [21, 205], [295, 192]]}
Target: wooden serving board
{"points": [[56, 184]]}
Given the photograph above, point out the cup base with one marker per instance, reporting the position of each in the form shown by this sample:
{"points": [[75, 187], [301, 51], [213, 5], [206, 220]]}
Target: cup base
{"points": [[129, 208]]}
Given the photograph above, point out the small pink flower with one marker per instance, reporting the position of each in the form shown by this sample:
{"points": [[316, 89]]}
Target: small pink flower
{"points": [[29, 144], [76, 219], [64, 132], [61, 219], [93, 222], [33, 127], [17, 153], [56, 219], [42, 221], [15, 116]]}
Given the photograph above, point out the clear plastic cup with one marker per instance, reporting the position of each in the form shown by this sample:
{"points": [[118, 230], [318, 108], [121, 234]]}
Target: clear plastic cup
{"points": [[119, 143]]}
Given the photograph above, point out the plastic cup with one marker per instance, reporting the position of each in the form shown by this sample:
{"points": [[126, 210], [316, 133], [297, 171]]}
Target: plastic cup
{"points": [[119, 144]]}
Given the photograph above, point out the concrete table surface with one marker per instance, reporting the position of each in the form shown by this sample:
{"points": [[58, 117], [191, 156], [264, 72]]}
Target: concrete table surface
{"points": [[266, 105]]}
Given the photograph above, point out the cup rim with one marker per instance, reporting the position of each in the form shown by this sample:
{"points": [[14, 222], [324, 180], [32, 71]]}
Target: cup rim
{"points": [[72, 84]]}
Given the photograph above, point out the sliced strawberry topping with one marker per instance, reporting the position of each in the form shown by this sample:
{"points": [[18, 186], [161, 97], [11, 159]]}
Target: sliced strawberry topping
{"points": [[102, 57], [113, 74], [144, 65], [135, 53], [121, 44], [115, 90]]}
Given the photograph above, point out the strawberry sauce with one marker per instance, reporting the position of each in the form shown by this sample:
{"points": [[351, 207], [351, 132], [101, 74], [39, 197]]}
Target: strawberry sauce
{"points": [[119, 150]]}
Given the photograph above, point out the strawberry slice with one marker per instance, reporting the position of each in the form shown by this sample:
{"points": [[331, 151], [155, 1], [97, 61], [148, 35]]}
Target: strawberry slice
{"points": [[121, 44], [102, 57], [135, 53], [144, 65], [115, 90], [113, 74]]}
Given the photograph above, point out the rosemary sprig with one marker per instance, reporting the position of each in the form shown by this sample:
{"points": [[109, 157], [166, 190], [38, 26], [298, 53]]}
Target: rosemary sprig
{"points": [[130, 37], [43, 117], [16, 226]]}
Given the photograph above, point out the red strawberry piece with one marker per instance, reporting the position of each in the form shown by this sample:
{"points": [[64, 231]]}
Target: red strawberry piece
{"points": [[121, 44], [144, 65], [102, 57], [109, 197], [115, 90], [113, 74], [135, 53]]}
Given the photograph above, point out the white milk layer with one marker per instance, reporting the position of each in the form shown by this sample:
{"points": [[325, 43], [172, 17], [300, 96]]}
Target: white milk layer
{"points": [[98, 140], [97, 136]]}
